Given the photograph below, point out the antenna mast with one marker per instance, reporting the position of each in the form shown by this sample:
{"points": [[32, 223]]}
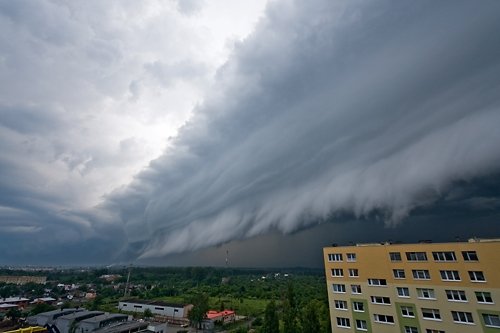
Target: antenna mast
{"points": [[128, 280]]}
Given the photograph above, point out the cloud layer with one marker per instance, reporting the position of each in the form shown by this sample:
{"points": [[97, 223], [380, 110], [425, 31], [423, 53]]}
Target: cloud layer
{"points": [[144, 129], [89, 94], [328, 108]]}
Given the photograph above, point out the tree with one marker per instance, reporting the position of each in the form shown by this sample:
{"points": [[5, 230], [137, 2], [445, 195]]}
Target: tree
{"points": [[290, 311], [309, 319], [199, 310], [271, 322], [14, 314], [148, 313], [41, 307]]}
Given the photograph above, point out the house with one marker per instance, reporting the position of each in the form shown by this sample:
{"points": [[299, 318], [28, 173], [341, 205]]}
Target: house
{"points": [[20, 302], [46, 300], [222, 317]]}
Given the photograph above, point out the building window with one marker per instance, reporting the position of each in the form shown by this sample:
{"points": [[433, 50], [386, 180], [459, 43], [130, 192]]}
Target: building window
{"points": [[470, 255], [403, 291], [416, 256], [335, 257], [426, 293], [361, 325], [338, 288], [380, 318], [138, 306], [380, 300], [491, 320], [351, 257], [450, 275], [395, 256], [377, 282], [432, 314], [399, 273], [340, 305], [462, 317], [358, 306], [337, 272], [456, 295], [158, 308], [484, 297], [407, 311], [411, 329], [343, 322], [353, 272], [355, 288], [477, 276], [444, 256], [421, 274], [433, 331]]}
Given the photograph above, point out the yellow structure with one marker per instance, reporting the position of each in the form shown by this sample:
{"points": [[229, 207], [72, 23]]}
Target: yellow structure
{"points": [[415, 288], [31, 329]]}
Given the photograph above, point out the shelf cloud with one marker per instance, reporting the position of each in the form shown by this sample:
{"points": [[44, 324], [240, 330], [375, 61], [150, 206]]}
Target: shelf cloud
{"points": [[140, 130], [328, 108]]}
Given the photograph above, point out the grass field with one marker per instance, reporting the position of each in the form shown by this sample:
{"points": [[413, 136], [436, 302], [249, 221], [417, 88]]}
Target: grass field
{"points": [[244, 306]]}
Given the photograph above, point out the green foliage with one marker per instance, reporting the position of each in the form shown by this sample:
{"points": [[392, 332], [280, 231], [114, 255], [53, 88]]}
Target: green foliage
{"points": [[41, 307], [271, 321], [290, 319], [148, 313], [257, 322], [240, 329], [96, 303], [247, 291], [309, 319], [14, 314], [199, 310]]}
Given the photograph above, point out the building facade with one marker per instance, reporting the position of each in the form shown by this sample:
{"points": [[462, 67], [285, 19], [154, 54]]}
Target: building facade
{"points": [[171, 312], [415, 288]]}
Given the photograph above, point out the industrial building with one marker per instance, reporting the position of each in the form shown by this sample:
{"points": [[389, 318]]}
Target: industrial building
{"points": [[66, 322], [415, 288], [172, 312], [49, 317], [100, 321]]}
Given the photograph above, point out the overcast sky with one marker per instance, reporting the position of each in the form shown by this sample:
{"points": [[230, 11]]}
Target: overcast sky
{"points": [[168, 132]]}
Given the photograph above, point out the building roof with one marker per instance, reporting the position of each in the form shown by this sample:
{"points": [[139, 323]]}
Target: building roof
{"points": [[13, 299], [159, 303], [80, 314], [216, 314], [7, 306], [425, 242], [54, 312], [43, 299], [123, 327], [104, 317]]}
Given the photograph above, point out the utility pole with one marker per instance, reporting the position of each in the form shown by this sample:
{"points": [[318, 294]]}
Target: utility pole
{"points": [[128, 280]]}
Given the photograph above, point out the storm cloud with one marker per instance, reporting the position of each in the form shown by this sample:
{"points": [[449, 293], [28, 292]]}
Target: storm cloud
{"points": [[329, 108], [142, 130]]}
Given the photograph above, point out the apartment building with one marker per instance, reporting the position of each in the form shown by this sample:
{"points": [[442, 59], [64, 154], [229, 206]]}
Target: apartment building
{"points": [[415, 288]]}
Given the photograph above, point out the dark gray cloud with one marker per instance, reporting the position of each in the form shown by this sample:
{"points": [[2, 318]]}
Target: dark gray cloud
{"points": [[328, 108], [331, 118]]}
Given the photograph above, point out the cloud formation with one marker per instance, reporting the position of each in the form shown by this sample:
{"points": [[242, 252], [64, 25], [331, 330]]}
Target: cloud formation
{"points": [[156, 127], [89, 94], [327, 108]]}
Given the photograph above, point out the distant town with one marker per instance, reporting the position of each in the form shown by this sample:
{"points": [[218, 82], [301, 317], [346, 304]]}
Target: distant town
{"points": [[161, 300]]}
